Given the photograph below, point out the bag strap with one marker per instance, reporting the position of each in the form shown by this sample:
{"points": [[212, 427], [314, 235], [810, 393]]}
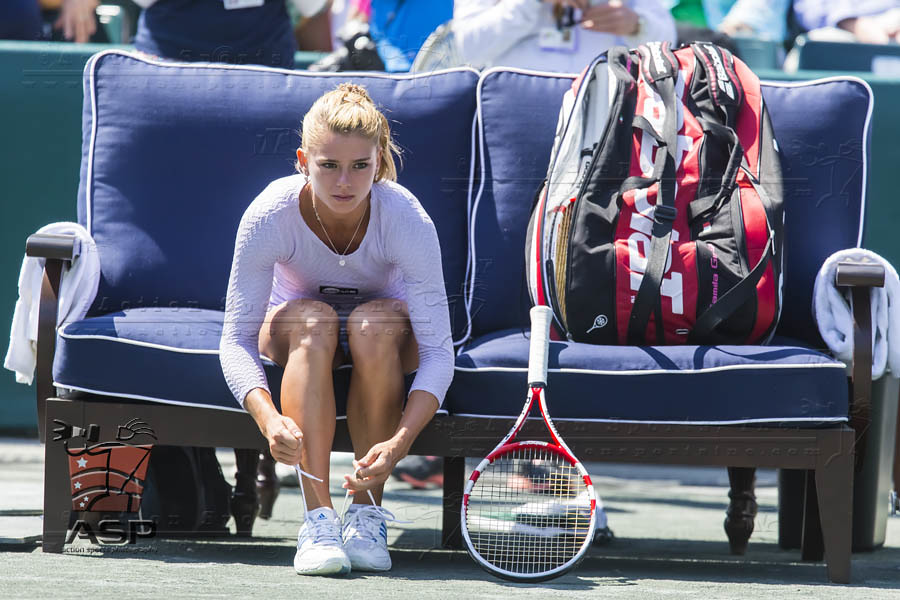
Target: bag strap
{"points": [[659, 67], [725, 86], [700, 206], [732, 300]]}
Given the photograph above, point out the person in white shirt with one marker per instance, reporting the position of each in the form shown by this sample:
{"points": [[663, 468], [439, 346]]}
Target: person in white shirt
{"points": [[554, 35], [339, 264]]}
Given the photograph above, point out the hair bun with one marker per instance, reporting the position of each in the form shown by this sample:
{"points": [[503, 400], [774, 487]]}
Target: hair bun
{"points": [[353, 92]]}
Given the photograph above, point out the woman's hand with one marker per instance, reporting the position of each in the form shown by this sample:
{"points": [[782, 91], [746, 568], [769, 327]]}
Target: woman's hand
{"points": [[77, 19], [375, 467], [285, 439], [611, 17]]}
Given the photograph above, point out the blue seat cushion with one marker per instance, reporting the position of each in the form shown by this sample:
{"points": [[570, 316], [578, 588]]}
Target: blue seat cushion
{"points": [[720, 385], [166, 355]]}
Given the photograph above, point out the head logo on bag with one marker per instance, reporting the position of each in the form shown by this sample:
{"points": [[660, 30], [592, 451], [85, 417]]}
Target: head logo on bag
{"points": [[599, 322], [672, 229]]}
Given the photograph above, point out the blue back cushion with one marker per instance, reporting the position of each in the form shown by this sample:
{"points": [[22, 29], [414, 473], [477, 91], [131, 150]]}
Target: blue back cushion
{"points": [[823, 162], [518, 113], [174, 153], [822, 128]]}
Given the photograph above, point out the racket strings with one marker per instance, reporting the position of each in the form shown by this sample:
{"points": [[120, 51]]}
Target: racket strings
{"points": [[529, 511]]}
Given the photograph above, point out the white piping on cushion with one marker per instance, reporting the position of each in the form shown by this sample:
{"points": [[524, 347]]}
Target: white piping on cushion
{"points": [[140, 397], [151, 345], [834, 365], [634, 422], [469, 266], [440, 411]]}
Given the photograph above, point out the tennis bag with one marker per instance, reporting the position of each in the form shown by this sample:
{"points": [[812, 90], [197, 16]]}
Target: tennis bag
{"points": [[661, 218]]}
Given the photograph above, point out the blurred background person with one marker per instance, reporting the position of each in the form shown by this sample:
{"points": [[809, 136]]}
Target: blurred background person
{"points": [[867, 21], [230, 31], [20, 20], [73, 21], [761, 19], [399, 27], [554, 35], [312, 24]]}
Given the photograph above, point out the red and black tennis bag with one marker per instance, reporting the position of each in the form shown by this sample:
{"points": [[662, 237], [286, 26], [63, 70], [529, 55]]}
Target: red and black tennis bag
{"points": [[661, 219]]}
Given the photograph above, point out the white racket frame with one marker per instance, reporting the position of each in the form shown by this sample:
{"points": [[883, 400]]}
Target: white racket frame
{"points": [[538, 351]]}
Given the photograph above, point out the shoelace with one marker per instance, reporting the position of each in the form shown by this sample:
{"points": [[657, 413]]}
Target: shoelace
{"points": [[367, 519], [300, 475], [320, 531]]}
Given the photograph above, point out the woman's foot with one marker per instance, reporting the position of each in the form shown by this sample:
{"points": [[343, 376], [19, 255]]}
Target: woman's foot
{"points": [[365, 537], [319, 547]]}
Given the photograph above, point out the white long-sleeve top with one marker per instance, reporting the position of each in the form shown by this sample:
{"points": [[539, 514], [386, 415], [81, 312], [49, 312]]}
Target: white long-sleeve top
{"points": [[505, 33], [278, 257]]}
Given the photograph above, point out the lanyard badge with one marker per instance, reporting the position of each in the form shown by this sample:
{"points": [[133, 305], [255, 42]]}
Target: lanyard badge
{"points": [[563, 37]]}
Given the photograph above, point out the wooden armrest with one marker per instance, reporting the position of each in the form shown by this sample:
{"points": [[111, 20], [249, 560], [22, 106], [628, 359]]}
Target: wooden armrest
{"points": [[856, 274], [53, 245], [57, 249], [860, 278]]}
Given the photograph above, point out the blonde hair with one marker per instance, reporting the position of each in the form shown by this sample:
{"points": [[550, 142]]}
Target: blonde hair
{"points": [[349, 109]]}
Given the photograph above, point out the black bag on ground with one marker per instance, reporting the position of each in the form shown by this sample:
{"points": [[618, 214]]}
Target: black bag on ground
{"points": [[185, 491]]}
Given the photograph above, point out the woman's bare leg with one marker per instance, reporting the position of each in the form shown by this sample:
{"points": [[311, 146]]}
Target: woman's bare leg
{"points": [[383, 348], [301, 336]]}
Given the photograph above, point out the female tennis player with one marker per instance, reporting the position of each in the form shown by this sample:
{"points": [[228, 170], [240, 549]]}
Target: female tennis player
{"points": [[339, 264]]}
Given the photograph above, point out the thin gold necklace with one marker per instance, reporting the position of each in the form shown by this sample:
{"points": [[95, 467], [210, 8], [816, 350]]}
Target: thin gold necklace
{"points": [[343, 255]]}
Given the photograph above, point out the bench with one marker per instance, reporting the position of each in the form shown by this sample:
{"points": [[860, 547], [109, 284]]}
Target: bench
{"points": [[173, 153]]}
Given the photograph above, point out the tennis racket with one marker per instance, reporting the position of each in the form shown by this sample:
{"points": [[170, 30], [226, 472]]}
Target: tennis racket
{"points": [[529, 508]]}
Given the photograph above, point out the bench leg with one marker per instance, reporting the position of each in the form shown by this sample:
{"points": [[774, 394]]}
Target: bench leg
{"points": [[57, 492], [812, 544], [454, 479], [834, 487], [742, 508], [791, 490], [267, 484], [244, 504]]}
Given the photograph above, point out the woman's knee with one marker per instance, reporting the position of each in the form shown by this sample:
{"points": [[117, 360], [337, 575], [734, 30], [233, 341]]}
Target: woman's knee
{"points": [[378, 326], [306, 325]]}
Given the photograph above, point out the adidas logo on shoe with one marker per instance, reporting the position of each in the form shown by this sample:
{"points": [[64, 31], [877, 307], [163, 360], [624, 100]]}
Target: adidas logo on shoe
{"points": [[319, 547]]}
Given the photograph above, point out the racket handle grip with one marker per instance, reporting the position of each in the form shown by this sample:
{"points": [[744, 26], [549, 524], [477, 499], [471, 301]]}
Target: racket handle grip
{"points": [[541, 316]]}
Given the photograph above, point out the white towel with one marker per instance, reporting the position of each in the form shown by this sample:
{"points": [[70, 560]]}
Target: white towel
{"points": [[76, 293], [835, 320]]}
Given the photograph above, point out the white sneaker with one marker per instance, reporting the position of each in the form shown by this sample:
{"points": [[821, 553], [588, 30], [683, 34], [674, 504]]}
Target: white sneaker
{"points": [[550, 518], [365, 537], [319, 548]]}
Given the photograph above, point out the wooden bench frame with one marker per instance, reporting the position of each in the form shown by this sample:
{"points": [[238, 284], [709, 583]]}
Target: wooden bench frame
{"points": [[825, 454]]}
